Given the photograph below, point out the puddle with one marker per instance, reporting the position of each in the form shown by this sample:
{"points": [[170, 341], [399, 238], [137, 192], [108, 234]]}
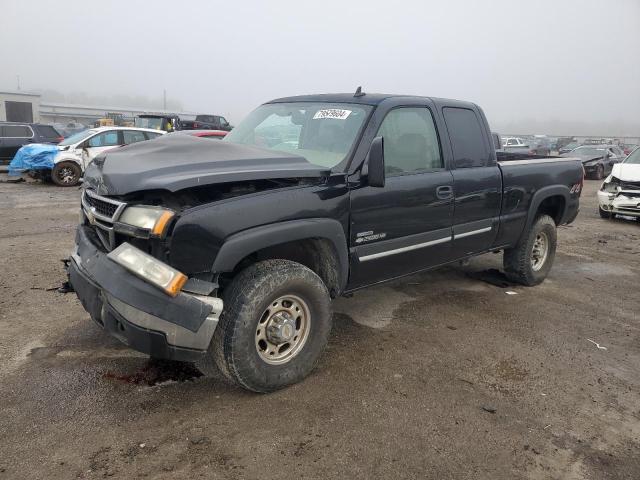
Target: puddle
{"points": [[156, 372]]}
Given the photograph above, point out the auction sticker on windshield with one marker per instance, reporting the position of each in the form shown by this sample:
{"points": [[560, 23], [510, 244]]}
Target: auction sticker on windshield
{"points": [[336, 113]]}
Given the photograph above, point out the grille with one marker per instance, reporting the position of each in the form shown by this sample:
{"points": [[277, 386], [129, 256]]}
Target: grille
{"points": [[103, 208], [630, 185], [101, 212]]}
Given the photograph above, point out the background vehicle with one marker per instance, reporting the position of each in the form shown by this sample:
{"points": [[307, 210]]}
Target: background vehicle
{"points": [[78, 150], [598, 160], [627, 148], [568, 147], [215, 134], [515, 144], [15, 135], [540, 146], [207, 122], [166, 123], [68, 129], [620, 192], [238, 248]]}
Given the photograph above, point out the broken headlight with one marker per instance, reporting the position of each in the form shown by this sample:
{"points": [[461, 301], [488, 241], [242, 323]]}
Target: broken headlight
{"points": [[610, 185], [154, 220], [148, 268]]}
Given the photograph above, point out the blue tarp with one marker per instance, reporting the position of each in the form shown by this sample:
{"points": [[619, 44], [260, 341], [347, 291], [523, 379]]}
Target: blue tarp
{"points": [[36, 156]]}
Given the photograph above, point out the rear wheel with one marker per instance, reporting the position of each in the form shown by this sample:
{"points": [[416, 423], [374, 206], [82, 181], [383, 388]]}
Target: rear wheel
{"points": [[530, 261], [66, 174], [599, 175], [274, 327]]}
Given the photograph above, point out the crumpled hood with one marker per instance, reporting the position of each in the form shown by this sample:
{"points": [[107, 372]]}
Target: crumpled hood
{"points": [[627, 172], [175, 162]]}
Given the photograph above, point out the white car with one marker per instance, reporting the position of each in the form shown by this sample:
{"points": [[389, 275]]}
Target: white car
{"points": [[78, 150], [620, 192]]}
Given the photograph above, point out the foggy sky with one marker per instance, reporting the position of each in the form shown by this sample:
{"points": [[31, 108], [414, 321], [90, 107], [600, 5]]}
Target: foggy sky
{"points": [[544, 66]]}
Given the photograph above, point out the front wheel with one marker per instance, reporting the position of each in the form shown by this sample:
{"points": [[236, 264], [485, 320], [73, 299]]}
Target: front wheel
{"points": [[66, 174], [530, 261], [605, 214], [274, 327]]}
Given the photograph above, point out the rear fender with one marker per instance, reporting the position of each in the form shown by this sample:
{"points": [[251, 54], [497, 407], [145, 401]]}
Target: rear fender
{"points": [[540, 196]]}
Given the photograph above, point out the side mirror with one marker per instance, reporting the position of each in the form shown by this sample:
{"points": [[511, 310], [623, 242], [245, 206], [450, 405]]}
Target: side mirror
{"points": [[375, 165]]}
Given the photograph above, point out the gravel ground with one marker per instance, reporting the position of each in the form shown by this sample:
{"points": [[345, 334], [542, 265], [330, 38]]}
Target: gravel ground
{"points": [[441, 375]]}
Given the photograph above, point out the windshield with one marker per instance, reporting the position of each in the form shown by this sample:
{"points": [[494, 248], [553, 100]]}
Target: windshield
{"points": [[322, 133], [149, 122], [634, 157], [589, 152], [76, 138]]}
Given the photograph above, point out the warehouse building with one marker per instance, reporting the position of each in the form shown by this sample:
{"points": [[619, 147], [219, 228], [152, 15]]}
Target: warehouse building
{"points": [[19, 107]]}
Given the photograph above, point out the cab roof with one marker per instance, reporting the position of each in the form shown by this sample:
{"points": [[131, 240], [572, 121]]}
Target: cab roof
{"points": [[373, 99]]}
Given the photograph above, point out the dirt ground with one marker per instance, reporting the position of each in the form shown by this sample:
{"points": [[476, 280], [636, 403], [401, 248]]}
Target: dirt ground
{"points": [[443, 375]]}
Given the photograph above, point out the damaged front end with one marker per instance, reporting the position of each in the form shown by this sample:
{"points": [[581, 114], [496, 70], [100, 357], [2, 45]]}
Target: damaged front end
{"points": [[620, 197]]}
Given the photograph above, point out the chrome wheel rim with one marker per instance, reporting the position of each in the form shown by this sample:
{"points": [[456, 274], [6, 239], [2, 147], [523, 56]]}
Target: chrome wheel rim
{"points": [[540, 251], [66, 174], [283, 329]]}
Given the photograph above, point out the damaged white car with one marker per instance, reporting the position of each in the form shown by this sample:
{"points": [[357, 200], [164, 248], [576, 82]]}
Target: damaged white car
{"points": [[620, 192]]}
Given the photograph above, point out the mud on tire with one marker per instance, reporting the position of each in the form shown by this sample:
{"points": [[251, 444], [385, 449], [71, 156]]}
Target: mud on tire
{"points": [[251, 302], [519, 262]]}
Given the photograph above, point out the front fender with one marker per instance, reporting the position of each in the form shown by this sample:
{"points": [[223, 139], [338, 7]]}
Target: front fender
{"points": [[67, 157], [244, 243]]}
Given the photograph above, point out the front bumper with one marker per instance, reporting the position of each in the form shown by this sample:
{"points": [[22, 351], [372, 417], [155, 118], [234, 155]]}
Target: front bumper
{"points": [[621, 202], [137, 313]]}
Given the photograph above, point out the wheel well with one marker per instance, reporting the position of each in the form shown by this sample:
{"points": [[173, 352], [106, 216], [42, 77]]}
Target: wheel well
{"points": [[317, 254], [552, 206]]}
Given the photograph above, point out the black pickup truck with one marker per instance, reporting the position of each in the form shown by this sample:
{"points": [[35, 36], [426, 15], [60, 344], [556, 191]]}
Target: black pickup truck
{"points": [[228, 253]]}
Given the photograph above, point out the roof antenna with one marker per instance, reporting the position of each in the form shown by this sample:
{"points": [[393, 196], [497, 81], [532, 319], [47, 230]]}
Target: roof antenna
{"points": [[359, 92]]}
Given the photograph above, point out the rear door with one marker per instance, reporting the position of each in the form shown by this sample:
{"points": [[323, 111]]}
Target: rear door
{"points": [[406, 225], [14, 137], [477, 182]]}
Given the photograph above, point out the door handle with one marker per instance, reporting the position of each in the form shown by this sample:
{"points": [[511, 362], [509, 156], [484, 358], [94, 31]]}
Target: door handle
{"points": [[444, 192]]}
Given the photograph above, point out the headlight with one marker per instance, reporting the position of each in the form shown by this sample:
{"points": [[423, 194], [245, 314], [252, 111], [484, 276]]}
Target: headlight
{"points": [[153, 219], [149, 268], [610, 185]]}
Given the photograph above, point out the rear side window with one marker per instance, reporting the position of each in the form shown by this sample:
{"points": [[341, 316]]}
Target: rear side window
{"points": [[17, 131], [467, 140], [132, 136], [151, 135], [48, 131]]}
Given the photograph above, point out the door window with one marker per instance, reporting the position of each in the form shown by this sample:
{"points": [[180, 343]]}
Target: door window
{"points": [[132, 136], [467, 140], [410, 142], [106, 139]]}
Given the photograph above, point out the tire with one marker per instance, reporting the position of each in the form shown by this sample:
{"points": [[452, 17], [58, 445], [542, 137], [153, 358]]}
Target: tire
{"points": [[66, 174], [605, 214], [599, 175], [520, 263], [259, 297]]}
